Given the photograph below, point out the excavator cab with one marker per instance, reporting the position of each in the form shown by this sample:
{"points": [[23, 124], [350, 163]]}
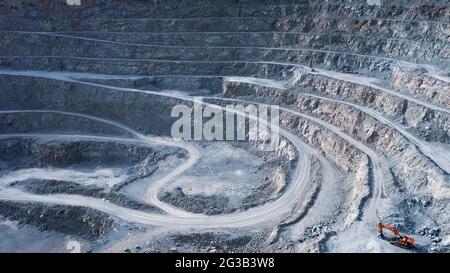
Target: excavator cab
{"points": [[392, 235]]}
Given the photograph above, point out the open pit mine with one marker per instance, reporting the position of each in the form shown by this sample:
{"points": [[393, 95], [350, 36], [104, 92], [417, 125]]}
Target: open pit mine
{"points": [[225, 126]]}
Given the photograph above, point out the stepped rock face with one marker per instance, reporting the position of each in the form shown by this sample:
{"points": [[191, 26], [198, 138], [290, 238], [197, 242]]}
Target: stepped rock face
{"points": [[89, 92]]}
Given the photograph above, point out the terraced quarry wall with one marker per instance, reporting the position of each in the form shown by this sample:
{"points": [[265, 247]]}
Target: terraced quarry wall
{"points": [[86, 100]]}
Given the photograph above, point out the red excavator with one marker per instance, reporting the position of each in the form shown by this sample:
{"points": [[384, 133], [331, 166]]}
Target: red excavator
{"points": [[395, 237]]}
